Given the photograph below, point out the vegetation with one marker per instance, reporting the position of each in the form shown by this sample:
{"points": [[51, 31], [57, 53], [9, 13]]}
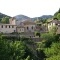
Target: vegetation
{"points": [[5, 20], [57, 14], [26, 49], [16, 48], [50, 46], [11, 49]]}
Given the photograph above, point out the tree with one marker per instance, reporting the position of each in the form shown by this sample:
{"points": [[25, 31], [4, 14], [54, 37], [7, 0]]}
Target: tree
{"points": [[58, 16], [59, 10], [10, 50], [55, 57], [53, 30], [28, 58], [5, 20], [53, 53], [16, 50], [41, 54], [0, 19]]}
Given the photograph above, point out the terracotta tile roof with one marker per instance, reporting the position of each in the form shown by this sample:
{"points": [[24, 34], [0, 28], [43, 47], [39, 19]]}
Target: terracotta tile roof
{"points": [[8, 24], [55, 21], [28, 23], [20, 27]]}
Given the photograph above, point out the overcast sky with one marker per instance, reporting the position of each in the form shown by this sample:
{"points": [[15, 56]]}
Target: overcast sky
{"points": [[31, 8]]}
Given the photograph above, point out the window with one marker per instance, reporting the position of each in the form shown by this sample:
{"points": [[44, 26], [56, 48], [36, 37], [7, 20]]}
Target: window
{"points": [[32, 27], [27, 28], [20, 29], [6, 26], [14, 30], [56, 24], [12, 26], [9, 26], [2, 26], [41, 29]]}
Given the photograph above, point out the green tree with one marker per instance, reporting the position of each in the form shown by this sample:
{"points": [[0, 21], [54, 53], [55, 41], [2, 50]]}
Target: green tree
{"points": [[53, 30], [16, 50], [58, 16], [10, 50], [5, 20], [0, 19], [41, 54], [28, 58], [53, 53]]}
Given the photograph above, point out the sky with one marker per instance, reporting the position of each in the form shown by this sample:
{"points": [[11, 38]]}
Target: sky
{"points": [[30, 8]]}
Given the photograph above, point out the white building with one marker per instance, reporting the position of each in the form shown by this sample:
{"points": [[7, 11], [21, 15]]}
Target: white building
{"points": [[20, 29], [25, 26], [17, 26], [29, 26], [7, 28], [12, 21], [55, 23]]}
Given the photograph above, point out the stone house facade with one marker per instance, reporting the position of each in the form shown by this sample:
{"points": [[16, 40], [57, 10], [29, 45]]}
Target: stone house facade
{"points": [[7, 28], [54, 23]]}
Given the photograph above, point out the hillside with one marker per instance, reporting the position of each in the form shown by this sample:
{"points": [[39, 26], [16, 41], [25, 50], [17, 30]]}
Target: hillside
{"points": [[46, 16], [3, 15], [21, 17], [57, 14], [42, 17]]}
